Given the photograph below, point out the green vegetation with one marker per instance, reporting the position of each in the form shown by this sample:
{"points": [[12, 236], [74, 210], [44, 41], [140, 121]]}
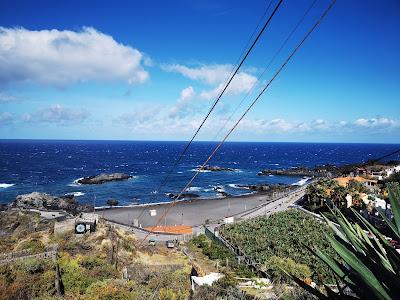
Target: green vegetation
{"points": [[326, 192], [275, 264], [90, 267], [225, 258], [395, 177], [211, 249], [284, 236], [223, 289], [370, 265], [27, 279]]}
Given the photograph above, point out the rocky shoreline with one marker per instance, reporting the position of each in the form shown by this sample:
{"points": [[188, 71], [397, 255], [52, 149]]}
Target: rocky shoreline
{"points": [[43, 201], [318, 171]]}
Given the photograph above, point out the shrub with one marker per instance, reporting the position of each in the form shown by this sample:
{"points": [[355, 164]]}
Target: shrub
{"points": [[275, 264], [34, 244]]}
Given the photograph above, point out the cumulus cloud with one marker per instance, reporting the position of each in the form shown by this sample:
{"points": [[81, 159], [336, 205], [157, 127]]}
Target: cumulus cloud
{"points": [[56, 114], [6, 118], [275, 125], [4, 98], [160, 122], [63, 57], [180, 107], [215, 75], [375, 122], [141, 115]]}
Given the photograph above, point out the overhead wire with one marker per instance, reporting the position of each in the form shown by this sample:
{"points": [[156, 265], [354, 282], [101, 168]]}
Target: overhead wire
{"points": [[165, 180], [265, 69], [242, 116]]}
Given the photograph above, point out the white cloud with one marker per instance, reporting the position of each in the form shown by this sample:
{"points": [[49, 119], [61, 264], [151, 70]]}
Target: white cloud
{"points": [[4, 98], [275, 125], [141, 115], [63, 57], [215, 75], [241, 83], [187, 95], [161, 123], [6, 118], [57, 114], [375, 122], [320, 124], [210, 74]]}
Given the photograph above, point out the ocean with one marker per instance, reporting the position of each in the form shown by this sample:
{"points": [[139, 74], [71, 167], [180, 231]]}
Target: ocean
{"points": [[54, 166]]}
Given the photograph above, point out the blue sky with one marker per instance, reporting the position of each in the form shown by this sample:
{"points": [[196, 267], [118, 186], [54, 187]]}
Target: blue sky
{"points": [[131, 70]]}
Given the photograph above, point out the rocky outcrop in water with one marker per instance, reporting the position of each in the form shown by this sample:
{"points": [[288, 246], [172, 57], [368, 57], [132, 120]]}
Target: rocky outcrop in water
{"points": [[43, 201], [217, 169], [183, 196], [220, 190], [102, 178]]}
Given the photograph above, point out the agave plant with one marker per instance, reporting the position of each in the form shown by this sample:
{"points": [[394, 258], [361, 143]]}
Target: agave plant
{"points": [[369, 265]]}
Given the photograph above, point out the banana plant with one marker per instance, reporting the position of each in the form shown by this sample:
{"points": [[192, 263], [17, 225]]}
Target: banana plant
{"points": [[369, 266]]}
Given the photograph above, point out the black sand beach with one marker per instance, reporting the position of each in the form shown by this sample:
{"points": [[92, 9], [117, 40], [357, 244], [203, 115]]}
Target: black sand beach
{"points": [[191, 212]]}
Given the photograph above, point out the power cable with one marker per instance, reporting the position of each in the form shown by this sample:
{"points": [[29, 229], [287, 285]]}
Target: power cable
{"points": [[265, 69], [217, 100], [242, 116]]}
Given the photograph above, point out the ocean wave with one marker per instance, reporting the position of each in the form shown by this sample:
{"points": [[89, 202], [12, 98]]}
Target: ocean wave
{"points": [[6, 185], [194, 189], [234, 185], [202, 171], [75, 182], [75, 194], [302, 181]]}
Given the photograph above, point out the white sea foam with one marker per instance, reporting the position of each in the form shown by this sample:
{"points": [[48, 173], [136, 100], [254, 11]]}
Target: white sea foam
{"points": [[76, 194], [194, 189], [302, 181], [75, 182], [179, 172], [6, 185], [202, 171]]}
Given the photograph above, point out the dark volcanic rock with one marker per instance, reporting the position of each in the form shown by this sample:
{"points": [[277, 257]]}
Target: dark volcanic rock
{"points": [[297, 171], [220, 190], [45, 201], [102, 178], [217, 169], [183, 196], [255, 187]]}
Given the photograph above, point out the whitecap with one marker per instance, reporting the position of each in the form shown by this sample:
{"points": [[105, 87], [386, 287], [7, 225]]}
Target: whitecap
{"points": [[179, 172], [75, 194], [75, 182], [6, 185], [302, 181], [202, 171], [233, 185], [194, 189]]}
